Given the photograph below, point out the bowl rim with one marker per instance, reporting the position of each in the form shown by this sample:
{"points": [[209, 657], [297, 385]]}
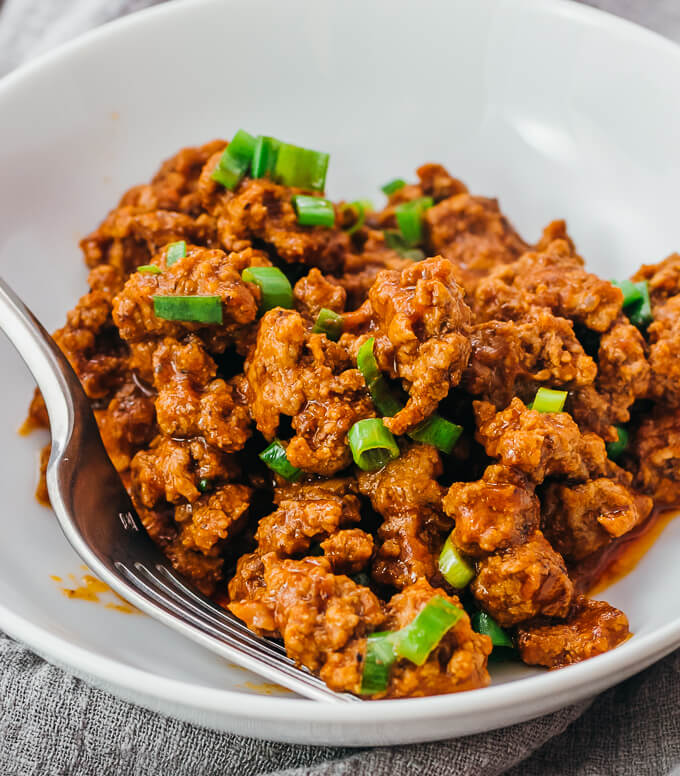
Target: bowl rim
{"points": [[627, 659]]}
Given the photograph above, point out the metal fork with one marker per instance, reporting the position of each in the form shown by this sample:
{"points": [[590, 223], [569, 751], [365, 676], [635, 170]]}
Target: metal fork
{"points": [[97, 516]]}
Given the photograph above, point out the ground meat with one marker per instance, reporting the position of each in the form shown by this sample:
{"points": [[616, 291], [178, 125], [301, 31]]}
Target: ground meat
{"points": [[508, 359], [580, 519], [314, 291], [593, 627], [655, 456], [298, 522], [90, 341], [262, 211], [540, 444], [663, 278], [213, 518], [191, 403], [493, 513], [623, 371], [292, 372], [127, 425], [522, 582], [201, 272], [407, 495], [552, 278], [316, 614], [473, 234], [456, 664], [349, 551], [421, 335], [664, 338]]}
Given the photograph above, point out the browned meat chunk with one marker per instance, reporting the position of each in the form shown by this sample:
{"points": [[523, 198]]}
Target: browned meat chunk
{"points": [[593, 627], [473, 234], [523, 582], [664, 352], [314, 291], [421, 335], [553, 278], [580, 519], [213, 518], [201, 272], [663, 278], [540, 444], [309, 378], [348, 551], [127, 424], [494, 513], [655, 452], [408, 496]]}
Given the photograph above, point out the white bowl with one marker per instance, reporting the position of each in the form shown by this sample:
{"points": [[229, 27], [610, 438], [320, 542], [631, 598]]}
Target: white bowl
{"points": [[559, 110]]}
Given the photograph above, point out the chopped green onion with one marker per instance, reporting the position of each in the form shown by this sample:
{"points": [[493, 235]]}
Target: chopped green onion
{"points": [[377, 663], [394, 185], [360, 207], [456, 571], [328, 323], [149, 269], [235, 161], [438, 432], [631, 291], [301, 168], [314, 211], [547, 400], [417, 639], [372, 445], [275, 287], [616, 449], [395, 241], [176, 251], [203, 485], [192, 309], [276, 459], [640, 313], [366, 362], [409, 217], [485, 623], [264, 156], [361, 578]]}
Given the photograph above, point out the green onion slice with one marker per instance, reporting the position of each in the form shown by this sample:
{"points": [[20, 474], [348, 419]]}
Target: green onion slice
{"points": [[366, 362], [395, 241], [149, 269], [631, 291], [264, 156], [275, 287], [235, 160], [547, 400], [191, 309], [485, 623], [616, 449], [438, 432], [314, 211], [417, 639], [394, 185], [409, 217], [203, 485], [301, 168], [329, 323], [176, 251], [274, 455], [372, 445], [455, 570], [360, 207], [377, 663], [640, 313]]}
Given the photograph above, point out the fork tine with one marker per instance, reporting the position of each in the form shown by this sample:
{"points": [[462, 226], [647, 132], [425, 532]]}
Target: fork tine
{"points": [[273, 665]]}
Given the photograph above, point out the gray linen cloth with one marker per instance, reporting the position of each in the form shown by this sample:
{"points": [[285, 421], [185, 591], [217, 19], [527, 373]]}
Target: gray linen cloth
{"points": [[52, 724]]}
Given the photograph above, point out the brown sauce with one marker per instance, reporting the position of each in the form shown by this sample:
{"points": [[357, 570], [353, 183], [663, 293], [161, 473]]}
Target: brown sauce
{"points": [[602, 569], [89, 588]]}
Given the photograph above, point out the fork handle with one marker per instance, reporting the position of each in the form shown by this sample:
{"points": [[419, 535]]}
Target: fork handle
{"points": [[48, 365]]}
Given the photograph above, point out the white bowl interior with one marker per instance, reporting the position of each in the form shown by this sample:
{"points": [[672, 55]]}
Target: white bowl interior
{"points": [[556, 109]]}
